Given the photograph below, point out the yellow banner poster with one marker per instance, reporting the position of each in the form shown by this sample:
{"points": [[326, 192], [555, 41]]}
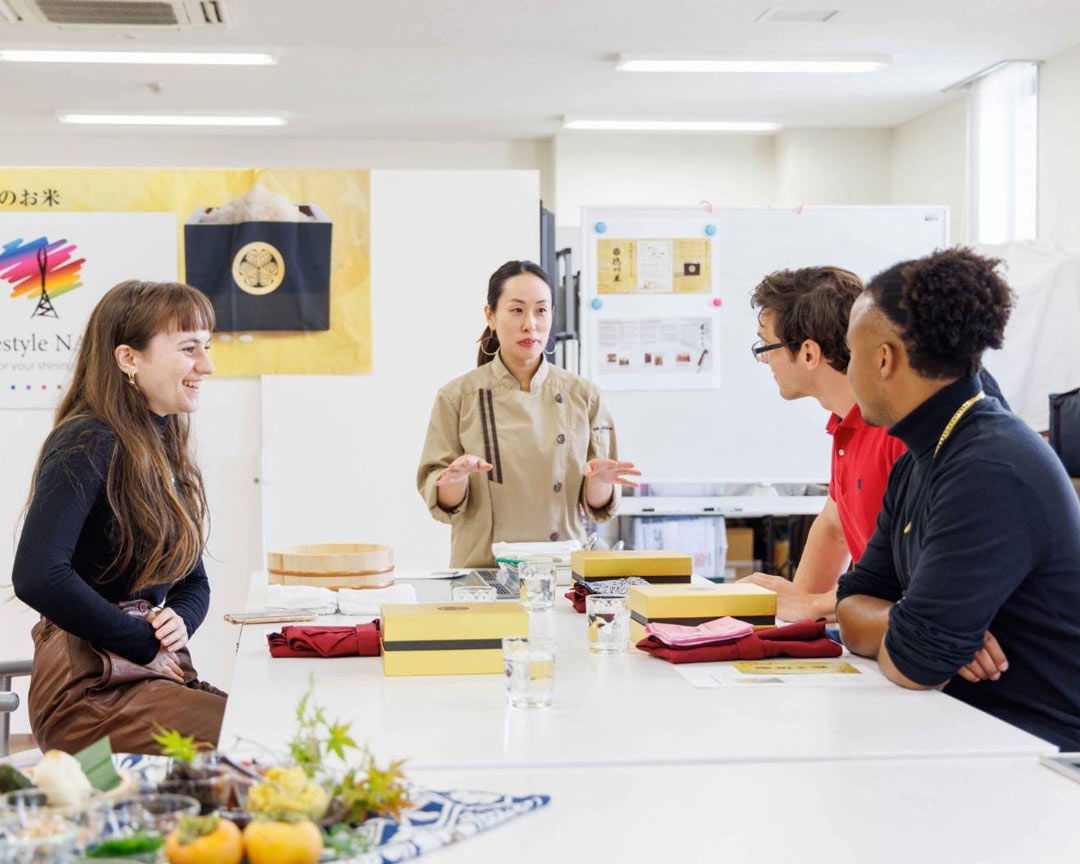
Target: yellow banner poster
{"points": [[292, 297], [651, 267]]}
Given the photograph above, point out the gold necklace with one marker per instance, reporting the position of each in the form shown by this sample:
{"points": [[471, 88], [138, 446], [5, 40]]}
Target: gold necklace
{"points": [[948, 430]]}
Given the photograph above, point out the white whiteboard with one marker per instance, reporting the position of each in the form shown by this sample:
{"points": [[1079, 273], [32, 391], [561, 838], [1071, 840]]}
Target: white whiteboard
{"points": [[743, 431]]}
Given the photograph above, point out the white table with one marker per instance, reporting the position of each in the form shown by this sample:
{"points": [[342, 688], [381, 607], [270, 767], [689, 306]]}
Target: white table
{"points": [[633, 709], [898, 811]]}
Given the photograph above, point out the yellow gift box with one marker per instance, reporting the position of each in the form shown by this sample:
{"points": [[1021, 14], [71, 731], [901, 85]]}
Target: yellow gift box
{"points": [[657, 567], [448, 638], [695, 604]]}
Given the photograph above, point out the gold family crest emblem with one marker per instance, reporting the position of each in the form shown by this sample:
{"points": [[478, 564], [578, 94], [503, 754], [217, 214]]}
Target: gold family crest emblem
{"points": [[258, 268]]}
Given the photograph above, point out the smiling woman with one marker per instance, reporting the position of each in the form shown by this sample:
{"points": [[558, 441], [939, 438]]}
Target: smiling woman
{"points": [[111, 549]]}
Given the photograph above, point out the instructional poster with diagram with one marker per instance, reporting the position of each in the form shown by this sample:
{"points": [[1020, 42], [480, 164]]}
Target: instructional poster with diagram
{"points": [[679, 352], [673, 266]]}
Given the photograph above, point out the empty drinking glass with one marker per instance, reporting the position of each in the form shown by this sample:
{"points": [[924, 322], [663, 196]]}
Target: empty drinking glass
{"points": [[608, 617], [529, 663], [472, 594], [537, 586]]}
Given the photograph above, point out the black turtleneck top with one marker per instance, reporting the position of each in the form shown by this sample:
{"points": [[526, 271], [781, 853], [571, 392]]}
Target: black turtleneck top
{"points": [[67, 544], [986, 536]]}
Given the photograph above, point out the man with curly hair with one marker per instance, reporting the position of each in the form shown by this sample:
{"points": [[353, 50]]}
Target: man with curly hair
{"points": [[802, 338], [971, 581]]}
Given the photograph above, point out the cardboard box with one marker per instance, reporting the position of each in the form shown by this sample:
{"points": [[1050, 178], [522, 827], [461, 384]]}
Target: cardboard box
{"points": [[658, 567], [695, 604], [262, 276], [448, 638], [734, 570], [740, 544]]}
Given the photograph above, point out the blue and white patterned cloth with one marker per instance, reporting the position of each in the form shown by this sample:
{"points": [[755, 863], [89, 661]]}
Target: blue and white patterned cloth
{"points": [[435, 820], [620, 586], [438, 819]]}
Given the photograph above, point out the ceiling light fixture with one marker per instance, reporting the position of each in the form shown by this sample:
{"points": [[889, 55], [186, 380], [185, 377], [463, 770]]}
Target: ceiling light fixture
{"points": [[163, 58], [615, 125], [799, 65], [170, 119]]}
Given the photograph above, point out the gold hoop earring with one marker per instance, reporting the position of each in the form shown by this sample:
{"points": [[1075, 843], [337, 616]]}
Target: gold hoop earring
{"points": [[484, 342]]}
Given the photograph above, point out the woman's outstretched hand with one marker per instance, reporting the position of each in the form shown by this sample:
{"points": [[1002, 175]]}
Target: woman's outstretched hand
{"points": [[461, 468], [613, 472]]}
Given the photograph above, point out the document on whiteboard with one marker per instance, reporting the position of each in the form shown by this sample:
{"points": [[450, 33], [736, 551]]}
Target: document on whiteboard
{"points": [[651, 267], [658, 348]]}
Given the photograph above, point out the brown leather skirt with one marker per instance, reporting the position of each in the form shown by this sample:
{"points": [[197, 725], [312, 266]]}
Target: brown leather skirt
{"points": [[79, 693]]}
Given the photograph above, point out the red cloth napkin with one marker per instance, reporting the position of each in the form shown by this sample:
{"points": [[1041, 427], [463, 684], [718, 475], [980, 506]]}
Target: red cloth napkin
{"points": [[801, 639], [577, 595], [360, 640]]}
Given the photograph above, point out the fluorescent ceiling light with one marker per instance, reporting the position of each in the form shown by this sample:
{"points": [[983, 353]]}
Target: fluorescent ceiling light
{"points": [[833, 65], [166, 58], [669, 125], [170, 120]]}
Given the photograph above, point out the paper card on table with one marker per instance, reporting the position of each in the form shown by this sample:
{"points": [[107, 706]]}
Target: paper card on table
{"points": [[780, 673], [787, 667]]}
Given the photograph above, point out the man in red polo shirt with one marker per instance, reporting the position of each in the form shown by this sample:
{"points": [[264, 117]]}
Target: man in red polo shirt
{"points": [[802, 337], [802, 330]]}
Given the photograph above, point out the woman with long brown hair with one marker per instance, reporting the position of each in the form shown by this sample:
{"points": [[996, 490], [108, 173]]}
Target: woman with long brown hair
{"points": [[111, 548]]}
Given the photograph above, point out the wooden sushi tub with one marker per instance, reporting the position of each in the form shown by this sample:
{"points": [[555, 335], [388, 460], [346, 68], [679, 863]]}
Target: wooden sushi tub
{"points": [[332, 565]]}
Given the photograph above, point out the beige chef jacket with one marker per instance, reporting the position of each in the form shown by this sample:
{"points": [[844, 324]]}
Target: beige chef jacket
{"points": [[538, 442]]}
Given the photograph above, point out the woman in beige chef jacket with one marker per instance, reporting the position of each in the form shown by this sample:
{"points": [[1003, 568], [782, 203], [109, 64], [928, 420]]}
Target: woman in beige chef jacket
{"points": [[518, 449]]}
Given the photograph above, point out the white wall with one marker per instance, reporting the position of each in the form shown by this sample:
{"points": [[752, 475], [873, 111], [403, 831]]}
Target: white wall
{"points": [[833, 166], [269, 151], [929, 163], [342, 451], [1059, 144], [616, 170]]}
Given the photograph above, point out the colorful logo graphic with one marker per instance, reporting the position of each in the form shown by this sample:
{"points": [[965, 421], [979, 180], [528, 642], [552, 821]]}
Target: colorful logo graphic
{"points": [[40, 269]]}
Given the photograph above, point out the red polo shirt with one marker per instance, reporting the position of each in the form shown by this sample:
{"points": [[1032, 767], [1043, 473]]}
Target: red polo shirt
{"points": [[862, 457]]}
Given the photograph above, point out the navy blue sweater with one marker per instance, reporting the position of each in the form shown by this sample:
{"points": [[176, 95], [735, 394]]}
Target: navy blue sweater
{"points": [[993, 544], [67, 543]]}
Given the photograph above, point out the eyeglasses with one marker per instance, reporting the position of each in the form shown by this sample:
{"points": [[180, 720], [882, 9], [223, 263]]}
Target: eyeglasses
{"points": [[760, 349]]}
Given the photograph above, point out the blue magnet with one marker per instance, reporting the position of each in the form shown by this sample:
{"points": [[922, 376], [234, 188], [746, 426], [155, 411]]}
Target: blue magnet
{"points": [[710, 230], [596, 303], [600, 227]]}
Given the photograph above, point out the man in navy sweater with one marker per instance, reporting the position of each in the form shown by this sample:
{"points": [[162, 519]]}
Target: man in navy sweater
{"points": [[971, 581]]}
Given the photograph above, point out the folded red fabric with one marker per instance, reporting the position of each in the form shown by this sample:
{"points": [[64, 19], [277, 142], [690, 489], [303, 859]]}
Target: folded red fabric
{"points": [[801, 639], [576, 596], [360, 640]]}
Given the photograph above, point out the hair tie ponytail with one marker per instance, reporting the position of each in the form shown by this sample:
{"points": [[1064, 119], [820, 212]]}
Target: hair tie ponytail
{"points": [[486, 353]]}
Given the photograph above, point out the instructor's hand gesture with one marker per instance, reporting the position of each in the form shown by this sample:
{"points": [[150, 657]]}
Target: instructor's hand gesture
{"points": [[610, 471], [461, 468]]}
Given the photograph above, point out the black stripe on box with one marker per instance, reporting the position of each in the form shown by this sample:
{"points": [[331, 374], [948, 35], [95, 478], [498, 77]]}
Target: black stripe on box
{"points": [[756, 620], [443, 645]]}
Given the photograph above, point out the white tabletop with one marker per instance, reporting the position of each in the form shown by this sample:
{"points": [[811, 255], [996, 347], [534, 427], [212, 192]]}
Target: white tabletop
{"points": [[990, 811], [631, 709]]}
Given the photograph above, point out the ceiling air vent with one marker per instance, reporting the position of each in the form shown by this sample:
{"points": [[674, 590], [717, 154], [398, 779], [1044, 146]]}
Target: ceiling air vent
{"points": [[119, 14], [798, 16]]}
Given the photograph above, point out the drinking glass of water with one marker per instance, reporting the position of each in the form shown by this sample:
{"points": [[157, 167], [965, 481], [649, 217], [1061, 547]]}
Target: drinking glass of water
{"points": [[608, 618], [529, 663], [537, 586]]}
